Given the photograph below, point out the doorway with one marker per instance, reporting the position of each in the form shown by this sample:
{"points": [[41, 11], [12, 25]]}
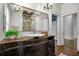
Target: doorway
{"points": [[70, 34]]}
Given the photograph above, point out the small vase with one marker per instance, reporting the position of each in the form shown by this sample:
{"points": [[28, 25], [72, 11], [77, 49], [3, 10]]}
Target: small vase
{"points": [[13, 37]]}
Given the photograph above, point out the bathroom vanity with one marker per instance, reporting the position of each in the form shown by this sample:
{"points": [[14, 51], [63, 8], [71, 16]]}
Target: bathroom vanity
{"points": [[26, 46]]}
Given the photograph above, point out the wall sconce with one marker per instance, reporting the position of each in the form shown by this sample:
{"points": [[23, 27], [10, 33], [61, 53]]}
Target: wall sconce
{"points": [[37, 13], [17, 9]]}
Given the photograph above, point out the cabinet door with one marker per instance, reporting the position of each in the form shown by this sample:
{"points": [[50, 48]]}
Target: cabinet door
{"points": [[8, 49]]}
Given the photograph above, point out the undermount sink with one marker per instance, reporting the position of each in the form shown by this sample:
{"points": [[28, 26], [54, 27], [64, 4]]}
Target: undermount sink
{"points": [[31, 34]]}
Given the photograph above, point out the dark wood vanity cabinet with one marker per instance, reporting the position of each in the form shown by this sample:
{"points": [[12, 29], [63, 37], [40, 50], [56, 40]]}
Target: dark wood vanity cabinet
{"points": [[36, 47], [51, 46], [8, 49]]}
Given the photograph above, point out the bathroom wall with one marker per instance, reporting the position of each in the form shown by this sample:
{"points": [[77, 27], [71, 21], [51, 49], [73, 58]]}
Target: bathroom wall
{"points": [[54, 28], [75, 26], [1, 20], [78, 31], [70, 27], [53, 25]]}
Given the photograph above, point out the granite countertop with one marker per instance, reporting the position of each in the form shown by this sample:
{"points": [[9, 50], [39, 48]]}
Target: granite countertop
{"points": [[8, 40], [21, 38]]}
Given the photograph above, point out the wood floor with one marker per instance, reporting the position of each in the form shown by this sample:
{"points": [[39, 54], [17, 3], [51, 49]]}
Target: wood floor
{"points": [[69, 48], [59, 49]]}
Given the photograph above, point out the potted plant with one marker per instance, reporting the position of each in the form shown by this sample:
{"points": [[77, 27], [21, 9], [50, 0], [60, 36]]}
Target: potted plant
{"points": [[11, 34]]}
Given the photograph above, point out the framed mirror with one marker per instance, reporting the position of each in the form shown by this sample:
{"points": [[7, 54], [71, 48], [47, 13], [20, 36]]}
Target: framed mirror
{"points": [[24, 19]]}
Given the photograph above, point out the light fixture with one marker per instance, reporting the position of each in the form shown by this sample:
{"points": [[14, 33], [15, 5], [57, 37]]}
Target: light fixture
{"points": [[17, 8], [37, 13], [48, 6]]}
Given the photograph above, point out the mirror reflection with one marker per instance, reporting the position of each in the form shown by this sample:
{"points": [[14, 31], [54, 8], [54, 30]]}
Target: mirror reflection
{"points": [[24, 19]]}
